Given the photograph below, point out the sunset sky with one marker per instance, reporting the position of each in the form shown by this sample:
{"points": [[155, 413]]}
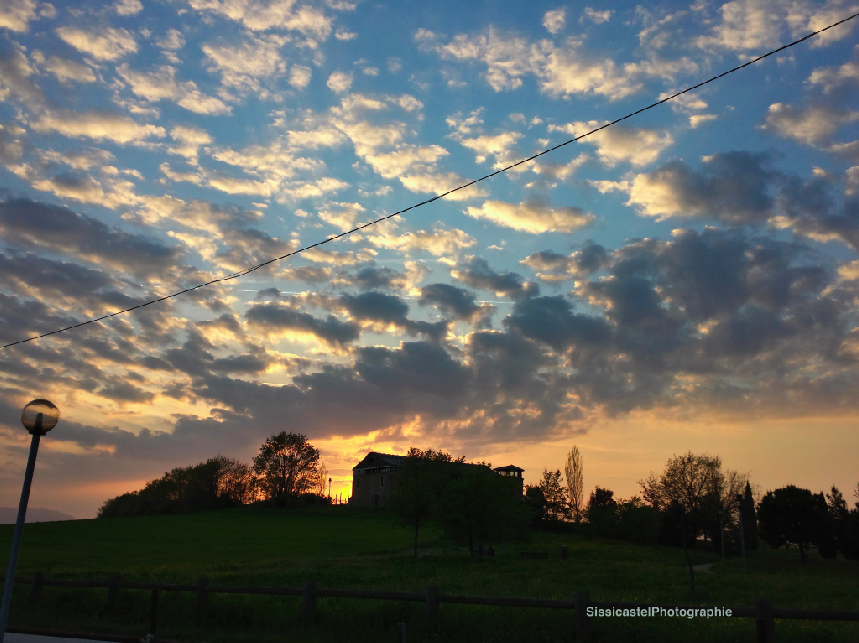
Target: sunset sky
{"points": [[686, 280]]}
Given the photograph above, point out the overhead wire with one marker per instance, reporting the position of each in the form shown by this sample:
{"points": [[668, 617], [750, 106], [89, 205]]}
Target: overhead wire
{"points": [[441, 196]]}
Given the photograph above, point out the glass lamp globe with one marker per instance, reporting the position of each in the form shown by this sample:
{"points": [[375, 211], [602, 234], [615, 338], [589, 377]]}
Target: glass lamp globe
{"points": [[40, 416]]}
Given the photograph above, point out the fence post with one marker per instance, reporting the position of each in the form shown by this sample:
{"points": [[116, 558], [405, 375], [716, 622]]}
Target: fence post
{"points": [[401, 633], [582, 623], [153, 613], [35, 586], [308, 603], [432, 607], [112, 589], [764, 623], [202, 584]]}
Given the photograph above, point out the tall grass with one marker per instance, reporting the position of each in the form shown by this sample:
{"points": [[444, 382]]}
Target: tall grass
{"points": [[362, 549]]}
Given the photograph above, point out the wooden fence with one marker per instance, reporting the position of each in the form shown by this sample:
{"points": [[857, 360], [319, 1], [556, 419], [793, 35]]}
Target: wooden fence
{"points": [[763, 611]]}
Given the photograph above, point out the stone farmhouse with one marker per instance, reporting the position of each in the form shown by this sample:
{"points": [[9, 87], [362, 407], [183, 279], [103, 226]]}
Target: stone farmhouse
{"points": [[375, 477]]}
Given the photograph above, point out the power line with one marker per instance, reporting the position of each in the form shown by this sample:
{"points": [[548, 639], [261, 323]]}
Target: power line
{"points": [[441, 196]]}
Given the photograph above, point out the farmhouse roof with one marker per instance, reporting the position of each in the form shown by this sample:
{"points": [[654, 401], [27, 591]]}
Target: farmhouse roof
{"points": [[374, 460]]}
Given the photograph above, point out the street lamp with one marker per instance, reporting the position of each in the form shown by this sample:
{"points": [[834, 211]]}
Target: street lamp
{"points": [[329, 488], [38, 417]]}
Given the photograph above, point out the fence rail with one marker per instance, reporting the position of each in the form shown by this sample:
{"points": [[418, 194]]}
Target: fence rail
{"points": [[763, 611]]}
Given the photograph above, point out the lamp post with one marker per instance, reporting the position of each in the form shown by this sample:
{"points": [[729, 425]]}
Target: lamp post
{"points": [[329, 489], [38, 417]]}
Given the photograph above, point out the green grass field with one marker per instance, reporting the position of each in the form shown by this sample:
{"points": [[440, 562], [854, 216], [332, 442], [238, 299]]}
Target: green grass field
{"points": [[345, 548]]}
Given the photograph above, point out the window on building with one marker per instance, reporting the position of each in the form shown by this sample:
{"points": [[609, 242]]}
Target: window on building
{"points": [[383, 481]]}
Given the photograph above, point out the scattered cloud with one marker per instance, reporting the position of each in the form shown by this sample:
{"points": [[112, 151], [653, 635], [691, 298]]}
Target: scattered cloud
{"points": [[110, 43], [339, 81], [554, 20], [532, 217]]}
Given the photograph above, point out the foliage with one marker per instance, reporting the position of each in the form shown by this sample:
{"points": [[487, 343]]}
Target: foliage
{"points": [[750, 521], [535, 501], [793, 515], [478, 504], [706, 493], [601, 513], [218, 483], [557, 508], [287, 466], [420, 483], [574, 470]]}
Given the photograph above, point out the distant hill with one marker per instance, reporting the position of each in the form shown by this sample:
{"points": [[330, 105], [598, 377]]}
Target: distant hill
{"points": [[8, 515]]}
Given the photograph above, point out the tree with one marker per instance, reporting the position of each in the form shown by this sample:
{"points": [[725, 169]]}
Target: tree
{"points": [[420, 483], [601, 513], [288, 466], [575, 483], [535, 500], [697, 484], [320, 484], [217, 483], [793, 515], [556, 504], [235, 480], [750, 520], [478, 503]]}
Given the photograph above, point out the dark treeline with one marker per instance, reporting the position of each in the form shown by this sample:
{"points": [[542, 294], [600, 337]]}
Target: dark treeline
{"points": [[694, 502], [467, 500], [286, 472]]}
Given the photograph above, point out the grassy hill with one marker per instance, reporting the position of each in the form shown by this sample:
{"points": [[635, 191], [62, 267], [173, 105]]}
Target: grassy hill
{"points": [[348, 548]]}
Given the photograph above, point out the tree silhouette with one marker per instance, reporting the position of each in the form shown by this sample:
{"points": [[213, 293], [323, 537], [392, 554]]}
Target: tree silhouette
{"points": [[793, 515], [420, 484], [287, 466], [575, 483]]}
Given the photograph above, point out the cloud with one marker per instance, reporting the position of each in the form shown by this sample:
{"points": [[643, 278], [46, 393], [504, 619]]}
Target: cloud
{"points": [[341, 215], [532, 217], [15, 73], [478, 274], [162, 85], [95, 124], [617, 143], [172, 40], [278, 319], [550, 320], [67, 70], [597, 17], [339, 81], [454, 301], [439, 183], [812, 125], [560, 70], [381, 312], [188, 140], [757, 25], [128, 7], [731, 187], [276, 14], [58, 229], [195, 214], [438, 242], [299, 77], [110, 44], [17, 14], [318, 187], [243, 65], [554, 20]]}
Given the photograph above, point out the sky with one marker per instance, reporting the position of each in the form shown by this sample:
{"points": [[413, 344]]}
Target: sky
{"points": [[687, 279]]}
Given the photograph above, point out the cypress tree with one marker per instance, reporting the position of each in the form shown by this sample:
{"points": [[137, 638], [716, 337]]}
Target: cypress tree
{"points": [[750, 522]]}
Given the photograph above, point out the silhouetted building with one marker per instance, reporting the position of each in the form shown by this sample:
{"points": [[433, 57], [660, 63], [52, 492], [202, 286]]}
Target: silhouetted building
{"points": [[375, 477]]}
